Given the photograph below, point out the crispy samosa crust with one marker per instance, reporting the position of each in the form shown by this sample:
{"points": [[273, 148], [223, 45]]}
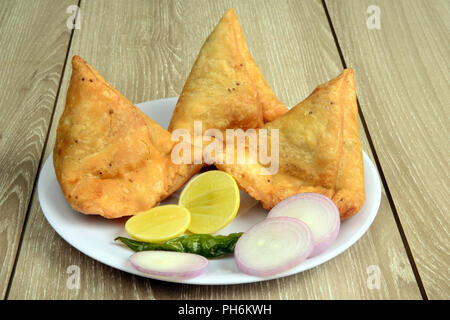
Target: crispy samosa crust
{"points": [[111, 159], [350, 189], [271, 106], [319, 151], [225, 88]]}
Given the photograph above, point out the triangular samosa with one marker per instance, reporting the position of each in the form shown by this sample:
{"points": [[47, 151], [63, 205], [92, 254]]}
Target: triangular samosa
{"points": [[319, 151], [225, 89], [271, 106], [350, 190], [111, 159]]}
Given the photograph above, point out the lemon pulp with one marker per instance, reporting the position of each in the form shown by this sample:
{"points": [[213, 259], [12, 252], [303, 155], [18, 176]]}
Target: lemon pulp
{"points": [[213, 200], [159, 224]]}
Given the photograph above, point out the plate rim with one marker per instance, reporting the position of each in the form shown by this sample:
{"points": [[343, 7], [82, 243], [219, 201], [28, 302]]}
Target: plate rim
{"points": [[320, 259]]}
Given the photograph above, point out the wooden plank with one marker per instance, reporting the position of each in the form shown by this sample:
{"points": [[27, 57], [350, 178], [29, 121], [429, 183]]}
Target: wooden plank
{"points": [[402, 74], [148, 56], [31, 63]]}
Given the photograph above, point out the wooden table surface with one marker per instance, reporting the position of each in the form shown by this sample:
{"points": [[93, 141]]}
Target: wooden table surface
{"points": [[146, 49]]}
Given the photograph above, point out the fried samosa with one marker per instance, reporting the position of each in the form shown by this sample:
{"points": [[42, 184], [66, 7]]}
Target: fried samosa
{"points": [[319, 151], [110, 158], [225, 88], [272, 108], [350, 191]]}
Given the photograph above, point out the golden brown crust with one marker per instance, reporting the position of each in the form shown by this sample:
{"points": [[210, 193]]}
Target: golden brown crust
{"points": [[350, 190], [110, 158], [319, 151], [225, 88], [218, 91], [272, 108]]}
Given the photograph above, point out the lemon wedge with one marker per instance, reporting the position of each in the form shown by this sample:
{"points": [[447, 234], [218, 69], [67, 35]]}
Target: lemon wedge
{"points": [[159, 224], [213, 200]]}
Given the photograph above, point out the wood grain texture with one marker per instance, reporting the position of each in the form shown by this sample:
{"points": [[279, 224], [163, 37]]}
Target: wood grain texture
{"points": [[402, 73], [149, 56], [31, 63]]}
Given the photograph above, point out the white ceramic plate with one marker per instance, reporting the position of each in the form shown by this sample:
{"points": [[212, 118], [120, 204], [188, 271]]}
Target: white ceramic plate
{"points": [[94, 235]]}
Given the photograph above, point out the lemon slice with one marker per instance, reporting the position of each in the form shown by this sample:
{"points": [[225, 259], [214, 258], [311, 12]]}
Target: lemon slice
{"points": [[213, 200], [159, 224]]}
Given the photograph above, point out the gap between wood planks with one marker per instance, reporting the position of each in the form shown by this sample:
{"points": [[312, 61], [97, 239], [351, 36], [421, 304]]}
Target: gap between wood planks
{"points": [[366, 130], [380, 169], [44, 147]]}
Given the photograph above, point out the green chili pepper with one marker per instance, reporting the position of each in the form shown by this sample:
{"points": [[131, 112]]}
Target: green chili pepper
{"points": [[203, 244]]}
